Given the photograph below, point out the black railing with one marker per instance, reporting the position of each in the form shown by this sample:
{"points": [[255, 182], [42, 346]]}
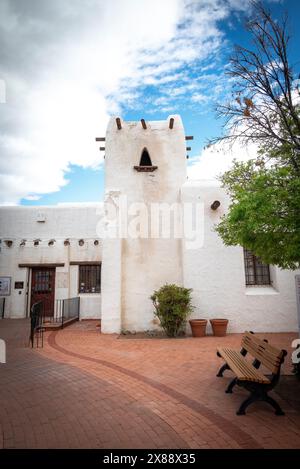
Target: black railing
{"points": [[2, 307], [67, 309], [64, 311], [57, 316], [36, 324]]}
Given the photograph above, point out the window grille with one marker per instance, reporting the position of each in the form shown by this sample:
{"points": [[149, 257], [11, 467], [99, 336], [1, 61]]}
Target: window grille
{"points": [[256, 272], [43, 281], [90, 278]]}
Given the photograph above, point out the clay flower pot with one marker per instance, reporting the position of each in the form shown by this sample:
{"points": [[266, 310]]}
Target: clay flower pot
{"points": [[219, 326], [198, 327]]}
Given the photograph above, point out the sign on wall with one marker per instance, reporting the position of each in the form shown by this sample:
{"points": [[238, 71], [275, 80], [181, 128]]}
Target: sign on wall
{"points": [[5, 285]]}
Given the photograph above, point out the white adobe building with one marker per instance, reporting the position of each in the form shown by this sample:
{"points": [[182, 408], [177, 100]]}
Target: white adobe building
{"points": [[56, 241], [114, 256]]}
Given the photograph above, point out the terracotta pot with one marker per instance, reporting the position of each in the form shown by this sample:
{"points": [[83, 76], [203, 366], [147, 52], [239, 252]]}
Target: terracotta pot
{"points": [[198, 327], [219, 326]]}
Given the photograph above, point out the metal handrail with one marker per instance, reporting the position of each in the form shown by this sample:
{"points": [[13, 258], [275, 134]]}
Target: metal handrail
{"points": [[37, 323], [65, 309], [68, 308], [2, 307]]}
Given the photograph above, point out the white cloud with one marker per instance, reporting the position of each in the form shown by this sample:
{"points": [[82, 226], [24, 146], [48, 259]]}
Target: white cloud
{"points": [[68, 65], [199, 98], [216, 159]]}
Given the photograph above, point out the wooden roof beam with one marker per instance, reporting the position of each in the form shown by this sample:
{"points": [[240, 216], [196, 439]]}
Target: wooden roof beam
{"points": [[171, 123], [118, 122]]}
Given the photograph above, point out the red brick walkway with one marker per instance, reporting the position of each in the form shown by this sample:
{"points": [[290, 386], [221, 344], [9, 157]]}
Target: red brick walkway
{"points": [[86, 390]]}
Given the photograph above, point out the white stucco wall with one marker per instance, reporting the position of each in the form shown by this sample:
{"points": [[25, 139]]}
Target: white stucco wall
{"points": [[134, 268], [111, 304], [61, 222], [146, 263], [216, 275]]}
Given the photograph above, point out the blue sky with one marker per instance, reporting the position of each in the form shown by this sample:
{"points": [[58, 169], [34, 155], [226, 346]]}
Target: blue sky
{"points": [[87, 60]]}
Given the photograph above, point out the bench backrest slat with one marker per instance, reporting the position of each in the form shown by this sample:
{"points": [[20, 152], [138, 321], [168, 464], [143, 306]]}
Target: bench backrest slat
{"points": [[268, 355]]}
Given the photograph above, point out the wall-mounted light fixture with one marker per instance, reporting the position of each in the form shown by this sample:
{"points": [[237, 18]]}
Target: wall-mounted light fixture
{"points": [[67, 242], [216, 204], [81, 242], [36, 242], [51, 242], [23, 242], [8, 243], [96, 242]]}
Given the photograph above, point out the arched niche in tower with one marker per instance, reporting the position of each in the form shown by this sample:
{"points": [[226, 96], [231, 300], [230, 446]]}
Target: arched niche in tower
{"points": [[145, 158], [145, 162]]}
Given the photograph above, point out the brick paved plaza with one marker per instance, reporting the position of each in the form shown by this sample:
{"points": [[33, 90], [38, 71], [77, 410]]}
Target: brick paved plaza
{"points": [[87, 390]]}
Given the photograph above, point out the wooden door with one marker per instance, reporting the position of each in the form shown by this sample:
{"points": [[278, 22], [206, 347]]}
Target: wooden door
{"points": [[43, 288]]}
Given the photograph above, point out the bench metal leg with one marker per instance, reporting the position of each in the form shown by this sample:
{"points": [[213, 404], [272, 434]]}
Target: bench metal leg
{"points": [[222, 369], [257, 396], [231, 386], [274, 404], [252, 398]]}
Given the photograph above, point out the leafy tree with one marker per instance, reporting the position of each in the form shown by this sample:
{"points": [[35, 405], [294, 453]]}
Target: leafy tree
{"points": [[264, 215]]}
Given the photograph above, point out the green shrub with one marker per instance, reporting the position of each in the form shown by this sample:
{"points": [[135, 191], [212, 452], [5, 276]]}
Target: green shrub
{"points": [[172, 307]]}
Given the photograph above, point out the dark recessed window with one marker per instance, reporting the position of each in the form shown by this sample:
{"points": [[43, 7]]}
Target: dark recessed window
{"points": [[90, 278], [145, 165], [256, 272], [145, 158]]}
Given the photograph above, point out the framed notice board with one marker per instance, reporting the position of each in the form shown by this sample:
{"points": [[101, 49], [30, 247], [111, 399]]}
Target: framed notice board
{"points": [[5, 286]]}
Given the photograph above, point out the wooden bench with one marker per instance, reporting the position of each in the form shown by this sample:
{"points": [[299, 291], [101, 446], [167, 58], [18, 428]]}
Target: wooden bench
{"points": [[248, 375]]}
